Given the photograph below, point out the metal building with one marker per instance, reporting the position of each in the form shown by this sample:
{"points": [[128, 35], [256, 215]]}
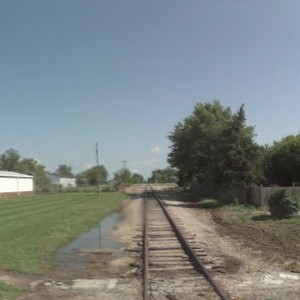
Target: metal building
{"points": [[12, 183], [62, 181]]}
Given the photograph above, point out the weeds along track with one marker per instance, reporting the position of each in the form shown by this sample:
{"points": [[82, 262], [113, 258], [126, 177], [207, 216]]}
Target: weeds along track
{"points": [[172, 268]]}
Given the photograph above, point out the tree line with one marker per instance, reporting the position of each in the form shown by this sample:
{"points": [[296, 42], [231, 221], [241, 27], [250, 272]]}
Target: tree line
{"points": [[11, 160], [216, 147], [163, 175]]}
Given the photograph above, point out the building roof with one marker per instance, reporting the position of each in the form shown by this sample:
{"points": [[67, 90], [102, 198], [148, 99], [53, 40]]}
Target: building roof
{"points": [[13, 174], [55, 175]]}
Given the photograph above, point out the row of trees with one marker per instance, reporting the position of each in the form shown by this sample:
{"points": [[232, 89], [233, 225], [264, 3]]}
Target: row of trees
{"points": [[92, 176], [282, 161], [99, 174], [217, 148], [164, 175], [11, 160], [125, 176]]}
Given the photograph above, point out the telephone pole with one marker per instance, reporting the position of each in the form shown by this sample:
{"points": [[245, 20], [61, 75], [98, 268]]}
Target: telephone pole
{"points": [[98, 171], [124, 170]]}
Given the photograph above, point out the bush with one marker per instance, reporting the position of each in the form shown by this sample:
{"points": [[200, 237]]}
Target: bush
{"points": [[71, 189], [108, 188], [282, 204]]}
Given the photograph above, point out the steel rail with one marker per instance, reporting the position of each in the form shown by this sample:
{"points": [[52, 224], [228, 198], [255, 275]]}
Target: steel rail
{"points": [[190, 252], [145, 249]]}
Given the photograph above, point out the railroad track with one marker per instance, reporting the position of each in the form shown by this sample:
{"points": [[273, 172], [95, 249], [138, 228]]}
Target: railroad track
{"points": [[172, 268]]}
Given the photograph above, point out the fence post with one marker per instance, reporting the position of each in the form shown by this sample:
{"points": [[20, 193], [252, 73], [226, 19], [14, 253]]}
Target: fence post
{"points": [[261, 195], [294, 189]]}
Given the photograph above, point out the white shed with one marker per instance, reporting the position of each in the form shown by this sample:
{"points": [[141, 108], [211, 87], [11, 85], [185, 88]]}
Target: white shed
{"points": [[62, 181], [12, 183]]}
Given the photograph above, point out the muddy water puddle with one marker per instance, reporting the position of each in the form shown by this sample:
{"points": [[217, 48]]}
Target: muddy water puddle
{"points": [[74, 255]]}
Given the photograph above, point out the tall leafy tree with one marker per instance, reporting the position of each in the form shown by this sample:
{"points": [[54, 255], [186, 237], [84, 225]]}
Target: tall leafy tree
{"points": [[64, 171], [195, 141], [31, 167], [92, 175], [215, 147], [240, 158], [137, 178], [10, 160], [125, 176], [283, 161], [164, 175]]}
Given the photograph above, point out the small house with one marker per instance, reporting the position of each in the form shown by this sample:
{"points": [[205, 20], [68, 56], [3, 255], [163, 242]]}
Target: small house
{"points": [[12, 183], [62, 181]]}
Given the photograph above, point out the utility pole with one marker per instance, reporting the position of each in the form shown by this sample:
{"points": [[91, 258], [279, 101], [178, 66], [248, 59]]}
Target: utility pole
{"points": [[98, 171], [124, 169]]}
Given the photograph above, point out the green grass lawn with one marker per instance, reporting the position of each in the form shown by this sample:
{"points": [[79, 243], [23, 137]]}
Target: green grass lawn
{"points": [[33, 228]]}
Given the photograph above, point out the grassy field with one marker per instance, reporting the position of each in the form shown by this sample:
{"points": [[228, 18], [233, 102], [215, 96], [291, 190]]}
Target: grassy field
{"points": [[33, 228], [259, 230], [285, 230], [279, 239]]}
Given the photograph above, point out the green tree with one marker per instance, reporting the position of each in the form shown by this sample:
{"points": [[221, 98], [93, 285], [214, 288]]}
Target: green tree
{"points": [[92, 175], [64, 171], [164, 175], [10, 160], [194, 142], [283, 161], [137, 178], [31, 167], [240, 159], [215, 147], [81, 179], [125, 176]]}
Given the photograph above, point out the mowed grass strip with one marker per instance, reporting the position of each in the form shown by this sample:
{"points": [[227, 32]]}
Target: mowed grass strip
{"points": [[33, 229], [27, 205]]}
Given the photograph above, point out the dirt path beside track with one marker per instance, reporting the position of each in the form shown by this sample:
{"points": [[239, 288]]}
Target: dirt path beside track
{"points": [[246, 274]]}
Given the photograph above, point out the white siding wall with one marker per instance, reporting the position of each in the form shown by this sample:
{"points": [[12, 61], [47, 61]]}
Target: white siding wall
{"points": [[65, 182], [25, 184], [13, 184]]}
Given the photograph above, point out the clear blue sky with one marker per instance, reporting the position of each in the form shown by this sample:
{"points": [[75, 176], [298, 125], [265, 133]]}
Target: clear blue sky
{"points": [[123, 73]]}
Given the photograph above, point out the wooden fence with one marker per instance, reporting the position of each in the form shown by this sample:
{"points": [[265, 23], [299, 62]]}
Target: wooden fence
{"points": [[253, 195]]}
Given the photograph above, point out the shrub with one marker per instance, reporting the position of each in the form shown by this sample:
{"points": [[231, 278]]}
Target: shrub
{"points": [[71, 189], [282, 204], [108, 188]]}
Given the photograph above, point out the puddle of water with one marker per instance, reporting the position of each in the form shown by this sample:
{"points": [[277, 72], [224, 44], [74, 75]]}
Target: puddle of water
{"points": [[97, 238]]}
